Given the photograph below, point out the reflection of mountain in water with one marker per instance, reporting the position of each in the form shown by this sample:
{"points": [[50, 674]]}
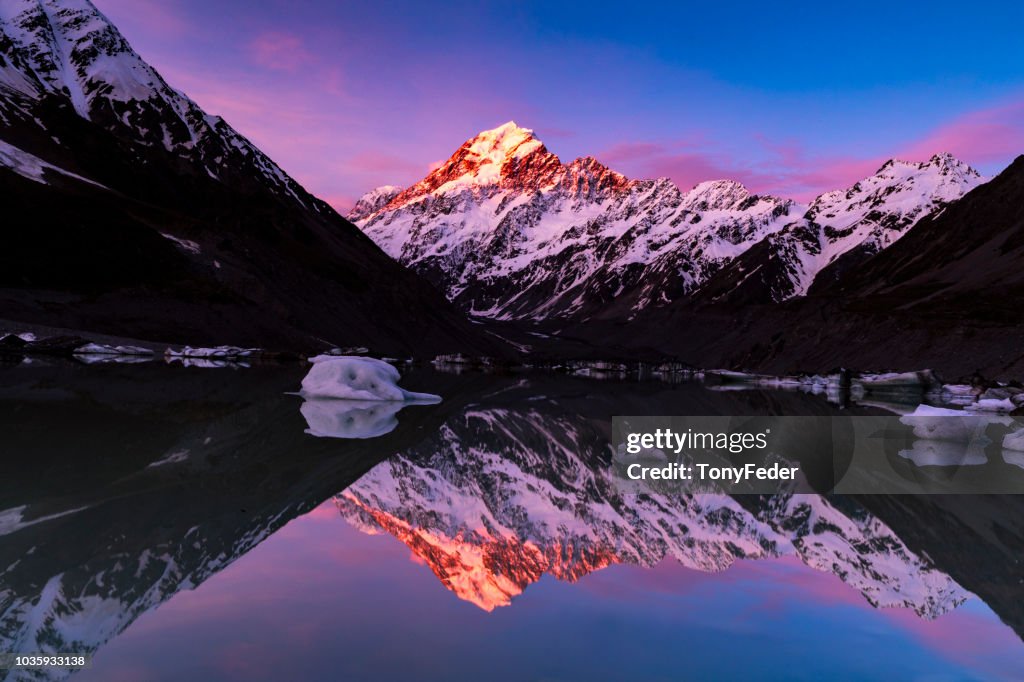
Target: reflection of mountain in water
{"points": [[123, 487], [501, 496]]}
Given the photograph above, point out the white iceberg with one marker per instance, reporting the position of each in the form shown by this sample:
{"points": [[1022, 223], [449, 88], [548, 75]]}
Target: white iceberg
{"points": [[993, 405], [941, 423], [107, 358], [1014, 458], [329, 418], [216, 353], [1014, 441], [357, 378], [898, 381], [959, 389], [939, 453], [100, 349]]}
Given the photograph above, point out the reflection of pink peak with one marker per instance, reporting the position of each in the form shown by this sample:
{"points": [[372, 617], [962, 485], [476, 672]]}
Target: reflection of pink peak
{"points": [[499, 497], [483, 570]]}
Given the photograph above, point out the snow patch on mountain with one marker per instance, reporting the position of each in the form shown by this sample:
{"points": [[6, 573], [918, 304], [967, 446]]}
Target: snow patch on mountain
{"points": [[373, 201], [32, 167]]}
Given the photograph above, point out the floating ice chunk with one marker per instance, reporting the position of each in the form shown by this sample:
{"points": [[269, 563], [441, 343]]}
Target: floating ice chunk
{"points": [[898, 380], [931, 411], [107, 359], [730, 375], [452, 359], [1014, 441], [1014, 458], [937, 453], [100, 349], [357, 378], [959, 389], [230, 363], [942, 423], [993, 405], [329, 418], [217, 353]]}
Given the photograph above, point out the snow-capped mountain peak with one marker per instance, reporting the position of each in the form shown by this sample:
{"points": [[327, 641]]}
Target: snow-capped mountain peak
{"points": [[842, 228], [373, 201], [73, 49], [588, 176], [716, 195], [897, 195], [68, 50], [507, 141], [508, 157]]}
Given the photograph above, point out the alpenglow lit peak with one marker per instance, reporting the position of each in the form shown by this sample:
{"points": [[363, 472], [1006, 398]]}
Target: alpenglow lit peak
{"points": [[487, 158], [507, 141]]}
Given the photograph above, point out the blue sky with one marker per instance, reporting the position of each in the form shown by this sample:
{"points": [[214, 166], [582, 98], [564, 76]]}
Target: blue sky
{"points": [[793, 98]]}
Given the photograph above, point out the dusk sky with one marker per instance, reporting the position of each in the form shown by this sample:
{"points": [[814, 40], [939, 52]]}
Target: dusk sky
{"points": [[789, 100]]}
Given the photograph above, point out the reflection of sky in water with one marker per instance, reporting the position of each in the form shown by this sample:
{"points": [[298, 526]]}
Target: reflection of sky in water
{"points": [[321, 600]]}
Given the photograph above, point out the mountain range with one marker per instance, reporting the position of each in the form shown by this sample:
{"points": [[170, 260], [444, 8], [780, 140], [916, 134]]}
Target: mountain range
{"points": [[510, 232], [591, 263], [131, 211]]}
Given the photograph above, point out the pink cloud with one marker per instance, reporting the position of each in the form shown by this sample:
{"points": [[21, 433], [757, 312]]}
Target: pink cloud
{"points": [[341, 203], [652, 159], [981, 136], [280, 51], [383, 163], [804, 178], [685, 165]]}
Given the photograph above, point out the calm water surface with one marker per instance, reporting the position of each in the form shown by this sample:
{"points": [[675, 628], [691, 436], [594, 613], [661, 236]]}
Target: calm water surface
{"points": [[186, 523]]}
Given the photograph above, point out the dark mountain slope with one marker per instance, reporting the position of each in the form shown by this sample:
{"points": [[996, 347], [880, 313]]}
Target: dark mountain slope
{"points": [[966, 262], [128, 210]]}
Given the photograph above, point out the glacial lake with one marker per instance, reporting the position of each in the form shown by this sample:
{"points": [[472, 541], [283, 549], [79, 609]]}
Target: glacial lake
{"points": [[186, 523]]}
